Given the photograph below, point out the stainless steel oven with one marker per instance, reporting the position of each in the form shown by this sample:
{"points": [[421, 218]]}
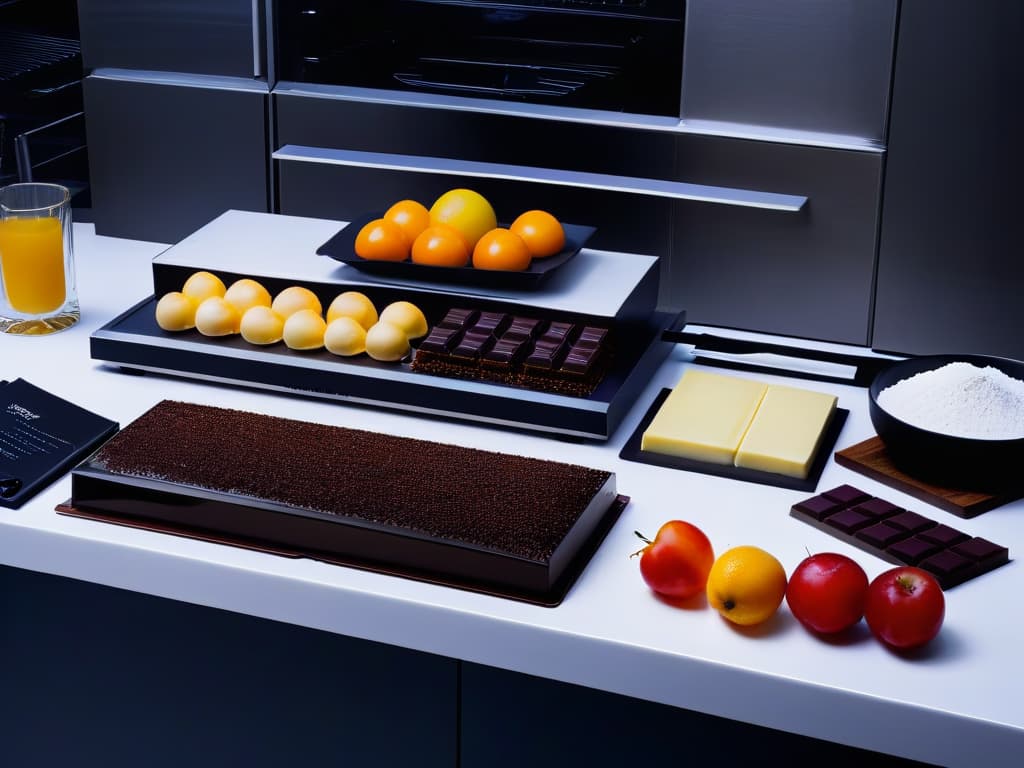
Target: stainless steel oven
{"points": [[618, 55]]}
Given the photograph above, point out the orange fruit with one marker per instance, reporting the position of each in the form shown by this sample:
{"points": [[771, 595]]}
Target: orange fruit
{"points": [[440, 245], [503, 250], [542, 233], [411, 216], [382, 240], [746, 585], [465, 210]]}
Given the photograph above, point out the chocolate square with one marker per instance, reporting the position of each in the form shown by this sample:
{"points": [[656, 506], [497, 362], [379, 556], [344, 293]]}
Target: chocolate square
{"points": [[818, 507], [911, 522], [878, 508], [913, 550], [982, 550], [945, 564], [847, 495], [848, 520], [881, 535], [943, 535]]}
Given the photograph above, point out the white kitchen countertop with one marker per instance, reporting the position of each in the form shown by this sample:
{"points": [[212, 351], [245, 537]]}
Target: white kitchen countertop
{"points": [[955, 703]]}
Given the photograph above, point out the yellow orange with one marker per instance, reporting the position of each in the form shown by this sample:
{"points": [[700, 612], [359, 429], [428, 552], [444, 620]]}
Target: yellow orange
{"points": [[746, 585], [465, 210]]}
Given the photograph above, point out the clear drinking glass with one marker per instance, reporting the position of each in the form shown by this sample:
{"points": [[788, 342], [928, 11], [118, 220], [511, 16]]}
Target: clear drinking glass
{"points": [[37, 264]]}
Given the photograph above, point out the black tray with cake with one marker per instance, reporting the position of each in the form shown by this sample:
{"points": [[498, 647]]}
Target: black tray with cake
{"points": [[392, 504], [592, 333]]}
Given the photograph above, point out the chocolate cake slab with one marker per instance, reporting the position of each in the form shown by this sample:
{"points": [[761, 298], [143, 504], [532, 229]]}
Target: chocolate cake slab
{"points": [[485, 520]]}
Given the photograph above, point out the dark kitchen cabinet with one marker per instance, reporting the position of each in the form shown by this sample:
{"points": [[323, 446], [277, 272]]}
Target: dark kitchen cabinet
{"points": [[950, 278], [168, 155], [510, 720], [96, 677], [197, 36]]}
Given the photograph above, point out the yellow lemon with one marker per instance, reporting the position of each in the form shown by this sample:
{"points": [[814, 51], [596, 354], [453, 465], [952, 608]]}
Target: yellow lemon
{"points": [[465, 210], [203, 285], [746, 585], [355, 305]]}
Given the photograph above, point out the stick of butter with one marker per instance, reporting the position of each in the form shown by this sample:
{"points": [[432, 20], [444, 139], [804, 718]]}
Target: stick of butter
{"points": [[786, 431], [704, 417]]}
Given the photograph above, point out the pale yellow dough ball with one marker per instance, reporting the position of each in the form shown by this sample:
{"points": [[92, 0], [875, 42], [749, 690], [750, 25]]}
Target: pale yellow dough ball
{"points": [[295, 298], [246, 293], [386, 342], [344, 336], [407, 316], [304, 330], [355, 305], [203, 285], [215, 317], [262, 325], [176, 312]]}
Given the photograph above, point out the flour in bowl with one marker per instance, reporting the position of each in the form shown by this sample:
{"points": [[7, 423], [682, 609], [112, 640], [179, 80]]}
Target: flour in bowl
{"points": [[960, 399]]}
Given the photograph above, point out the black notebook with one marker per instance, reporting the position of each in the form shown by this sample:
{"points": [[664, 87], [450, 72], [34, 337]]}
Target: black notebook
{"points": [[41, 437]]}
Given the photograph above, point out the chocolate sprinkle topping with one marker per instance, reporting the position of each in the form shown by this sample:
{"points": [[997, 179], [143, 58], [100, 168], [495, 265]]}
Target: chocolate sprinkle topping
{"points": [[519, 505]]}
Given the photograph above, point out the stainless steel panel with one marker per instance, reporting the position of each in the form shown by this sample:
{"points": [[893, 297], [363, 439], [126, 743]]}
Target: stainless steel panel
{"points": [[797, 64], [806, 274], [214, 38], [166, 159], [950, 275], [677, 190]]}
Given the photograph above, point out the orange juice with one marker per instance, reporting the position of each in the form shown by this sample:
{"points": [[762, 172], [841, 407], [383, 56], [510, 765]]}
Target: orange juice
{"points": [[32, 260]]}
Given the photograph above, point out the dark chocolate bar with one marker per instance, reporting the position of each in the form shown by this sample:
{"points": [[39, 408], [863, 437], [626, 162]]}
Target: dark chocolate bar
{"points": [[548, 356], [900, 536]]}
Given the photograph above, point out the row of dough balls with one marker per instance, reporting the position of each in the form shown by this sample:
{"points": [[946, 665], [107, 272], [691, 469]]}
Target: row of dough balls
{"points": [[295, 315]]}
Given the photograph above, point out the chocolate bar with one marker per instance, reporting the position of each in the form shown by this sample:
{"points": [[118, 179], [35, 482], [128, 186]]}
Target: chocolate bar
{"points": [[901, 536], [548, 356]]}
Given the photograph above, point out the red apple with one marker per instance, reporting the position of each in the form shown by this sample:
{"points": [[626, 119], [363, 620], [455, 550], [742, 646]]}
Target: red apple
{"points": [[826, 592], [905, 607], [678, 561]]}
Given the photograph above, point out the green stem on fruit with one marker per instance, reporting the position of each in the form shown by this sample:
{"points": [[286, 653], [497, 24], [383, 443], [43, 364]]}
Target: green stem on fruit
{"points": [[645, 540]]}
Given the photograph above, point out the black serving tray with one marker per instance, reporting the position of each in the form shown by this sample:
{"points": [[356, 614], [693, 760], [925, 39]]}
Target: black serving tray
{"points": [[294, 532], [341, 247], [631, 451], [134, 342]]}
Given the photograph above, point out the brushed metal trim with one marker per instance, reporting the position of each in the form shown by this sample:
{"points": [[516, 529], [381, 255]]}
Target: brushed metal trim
{"points": [[256, 355], [586, 116], [152, 77], [257, 60], [677, 190]]}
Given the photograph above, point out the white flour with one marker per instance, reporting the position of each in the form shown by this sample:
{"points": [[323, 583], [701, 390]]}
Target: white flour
{"points": [[960, 399]]}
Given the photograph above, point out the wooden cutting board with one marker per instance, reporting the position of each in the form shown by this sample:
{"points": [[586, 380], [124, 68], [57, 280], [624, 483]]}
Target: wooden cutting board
{"points": [[870, 458]]}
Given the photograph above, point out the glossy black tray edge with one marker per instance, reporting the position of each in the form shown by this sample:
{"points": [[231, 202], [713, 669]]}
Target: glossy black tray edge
{"points": [[341, 247], [631, 452], [177, 509]]}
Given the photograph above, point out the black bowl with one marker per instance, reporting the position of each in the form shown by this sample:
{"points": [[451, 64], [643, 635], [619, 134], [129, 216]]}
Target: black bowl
{"points": [[964, 463]]}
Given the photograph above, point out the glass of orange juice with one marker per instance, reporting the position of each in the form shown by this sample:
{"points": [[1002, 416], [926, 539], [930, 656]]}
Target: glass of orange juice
{"points": [[37, 269]]}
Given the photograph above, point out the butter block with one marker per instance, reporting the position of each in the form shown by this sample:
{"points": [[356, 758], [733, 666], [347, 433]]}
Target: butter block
{"points": [[704, 417], [786, 431]]}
